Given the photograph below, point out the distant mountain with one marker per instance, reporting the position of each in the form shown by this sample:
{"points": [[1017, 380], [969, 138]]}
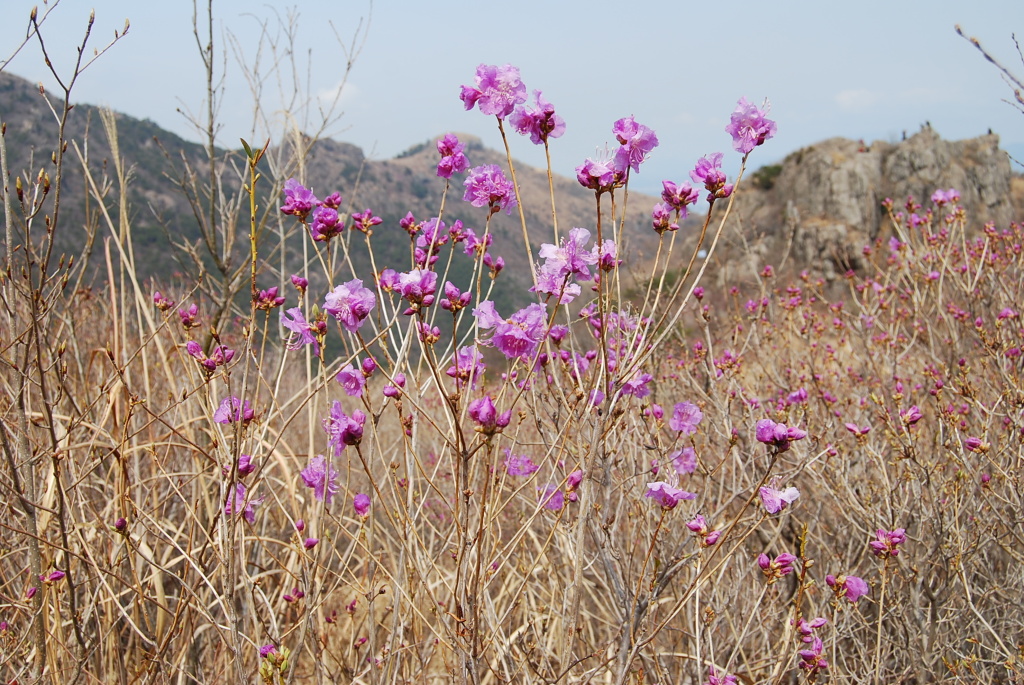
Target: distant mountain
{"points": [[161, 216]]}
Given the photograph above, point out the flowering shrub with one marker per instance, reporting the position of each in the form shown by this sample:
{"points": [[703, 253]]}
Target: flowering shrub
{"points": [[507, 497]]}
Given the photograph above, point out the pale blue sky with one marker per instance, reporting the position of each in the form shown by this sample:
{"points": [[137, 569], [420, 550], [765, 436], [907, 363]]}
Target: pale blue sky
{"points": [[866, 70]]}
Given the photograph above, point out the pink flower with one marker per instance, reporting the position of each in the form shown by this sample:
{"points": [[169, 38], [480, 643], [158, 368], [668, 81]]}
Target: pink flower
{"points": [[519, 465], [777, 435], [418, 288], [467, 367], [776, 500], [310, 543], [306, 333], [636, 142], [486, 416], [749, 126], [600, 175], [539, 123], [679, 196], [453, 159], [486, 186], [361, 504], [298, 200], [237, 504], [350, 303], [162, 303], [231, 409], [888, 542], [684, 461], [911, 415], [498, 90], [709, 173], [365, 221], [852, 587], [322, 477], [352, 380], [519, 335], [552, 497], [343, 430], [776, 568], [666, 495], [325, 224], [699, 525], [685, 418]]}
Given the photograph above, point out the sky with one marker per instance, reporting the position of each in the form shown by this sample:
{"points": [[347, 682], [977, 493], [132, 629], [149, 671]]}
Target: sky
{"points": [[868, 70]]}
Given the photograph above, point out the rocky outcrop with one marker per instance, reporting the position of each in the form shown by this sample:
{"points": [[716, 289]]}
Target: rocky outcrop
{"points": [[824, 203]]}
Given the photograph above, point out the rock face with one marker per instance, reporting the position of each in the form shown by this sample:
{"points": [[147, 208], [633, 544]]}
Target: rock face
{"points": [[824, 203]]}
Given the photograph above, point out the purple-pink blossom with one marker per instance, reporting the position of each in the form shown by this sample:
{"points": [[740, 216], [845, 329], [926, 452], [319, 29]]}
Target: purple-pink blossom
{"points": [[540, 122], [749, 126], [724, 679], [777, 435], [483, 412], [679, 196], [708, 172], [343, 430], [600, 175], [322, 477], [552, 497], [519, 335], [361, 504], [350, 303], [231, 409], [498, 90], [453, 159], [306, 333], [667, 495], [684, 461], [325, 225], [851, 587], [417, 287], [888, 542], [635, 142], [236, 503], [519, 464], [775, 500], [298, 200], [352, 380], [686, 416], [467, 367], [486, 186], [776, 568]]}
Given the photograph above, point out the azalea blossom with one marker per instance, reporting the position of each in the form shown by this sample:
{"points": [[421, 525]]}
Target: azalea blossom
{"points": [[776, 500], [361, 504], [686, 416], [350, 303], [322, 477], [232, 409], [486, 186], [749, 126], [540, 122], [453, 159], [497, 92], [666, 495], [519, 465], [236, 504], [299, 201], [852, 587]]}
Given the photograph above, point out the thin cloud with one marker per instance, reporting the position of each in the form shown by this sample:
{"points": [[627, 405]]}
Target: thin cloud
{"points": [[345, 92], [857, 98]]}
